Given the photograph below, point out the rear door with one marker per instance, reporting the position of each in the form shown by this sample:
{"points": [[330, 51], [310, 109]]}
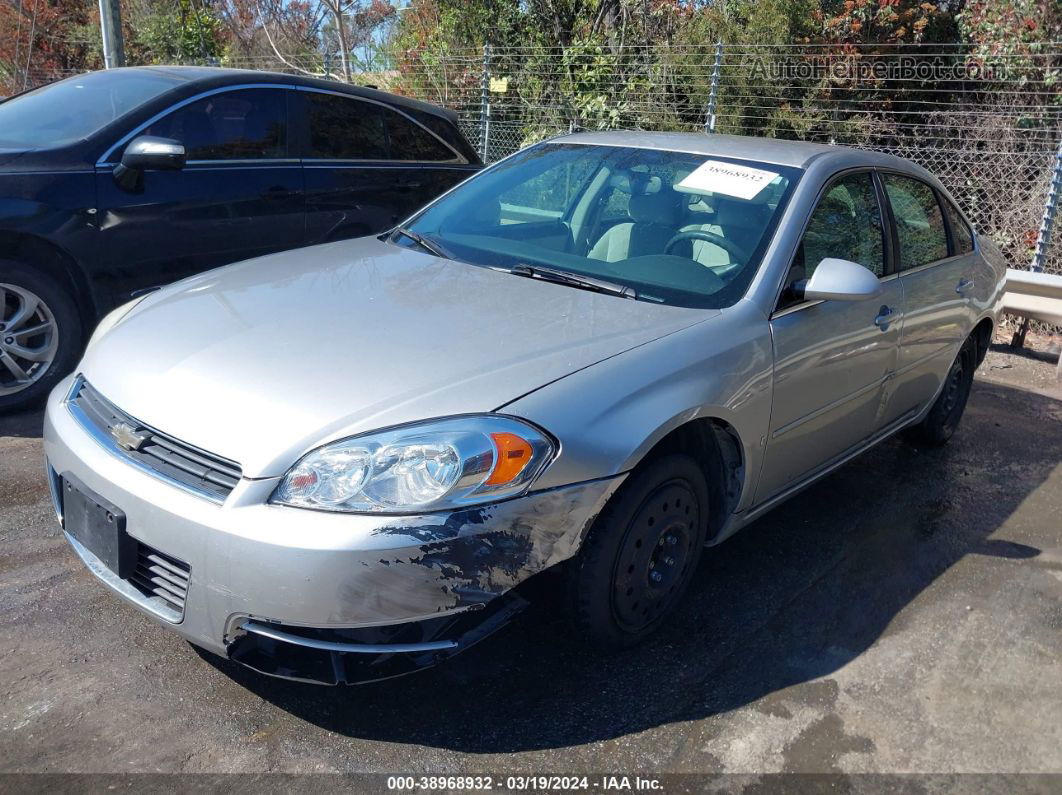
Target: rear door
{"points": [[238, 196], [832, 358], [368, 165], [937, 270]]}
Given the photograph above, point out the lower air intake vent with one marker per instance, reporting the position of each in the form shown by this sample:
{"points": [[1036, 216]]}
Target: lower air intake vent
{"points": [[162, 579]]}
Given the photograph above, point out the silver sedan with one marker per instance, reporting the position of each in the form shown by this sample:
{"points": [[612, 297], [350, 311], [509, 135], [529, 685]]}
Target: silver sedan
{"points": [[599, 356]]}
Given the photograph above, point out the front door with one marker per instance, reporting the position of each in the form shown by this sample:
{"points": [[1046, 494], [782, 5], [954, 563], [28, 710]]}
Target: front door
{"points": [[238, 196], [831, 358]]}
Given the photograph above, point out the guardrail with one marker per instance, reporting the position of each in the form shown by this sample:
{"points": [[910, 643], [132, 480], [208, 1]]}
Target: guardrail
{"points": [[1035, 296]]}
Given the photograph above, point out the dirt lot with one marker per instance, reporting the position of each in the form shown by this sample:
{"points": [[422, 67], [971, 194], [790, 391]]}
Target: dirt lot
{"points": [[903, 615]]}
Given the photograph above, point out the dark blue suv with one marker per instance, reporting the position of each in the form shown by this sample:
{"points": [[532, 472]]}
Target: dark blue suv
{"points": [[115, 182]]}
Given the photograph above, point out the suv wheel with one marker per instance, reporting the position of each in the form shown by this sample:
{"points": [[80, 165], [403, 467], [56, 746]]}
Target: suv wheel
{"points": [[40, 335], [640, 554], [943, 418]]}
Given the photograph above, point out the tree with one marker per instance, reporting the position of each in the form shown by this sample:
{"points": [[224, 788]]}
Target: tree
{"points": [[175, 31], [327, 27], [44, 40]]}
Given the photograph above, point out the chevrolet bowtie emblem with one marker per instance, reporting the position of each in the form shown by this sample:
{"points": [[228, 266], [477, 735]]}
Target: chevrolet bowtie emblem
{"points": [[127, 437]]}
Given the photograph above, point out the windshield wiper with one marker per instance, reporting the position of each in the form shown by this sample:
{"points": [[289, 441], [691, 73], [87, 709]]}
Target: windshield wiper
{"points": [[574, 279], [425, 243]]}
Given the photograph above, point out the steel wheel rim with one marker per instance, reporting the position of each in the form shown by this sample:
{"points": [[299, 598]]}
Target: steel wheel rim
{"points": [[655, 556], [29, 338], [953, 388]]}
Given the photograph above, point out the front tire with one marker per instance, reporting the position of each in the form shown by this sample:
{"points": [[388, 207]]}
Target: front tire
{"points": [[40, 335], [640, 554], [943, 418]]}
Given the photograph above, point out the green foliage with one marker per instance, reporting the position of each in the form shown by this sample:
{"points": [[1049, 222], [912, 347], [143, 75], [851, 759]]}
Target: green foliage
{"points": [[184, 30]]}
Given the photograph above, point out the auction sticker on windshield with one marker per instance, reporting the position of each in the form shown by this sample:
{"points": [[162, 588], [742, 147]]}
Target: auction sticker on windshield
{"points": [[729, 179]]}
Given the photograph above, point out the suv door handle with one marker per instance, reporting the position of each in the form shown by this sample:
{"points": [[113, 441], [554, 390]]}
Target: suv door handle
{"points": [[963, 286], [884, 318], [278, 192]]}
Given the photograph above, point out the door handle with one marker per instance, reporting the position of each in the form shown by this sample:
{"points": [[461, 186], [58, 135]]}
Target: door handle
{"points": [[884, 318], [963, 286], [277, 192]]}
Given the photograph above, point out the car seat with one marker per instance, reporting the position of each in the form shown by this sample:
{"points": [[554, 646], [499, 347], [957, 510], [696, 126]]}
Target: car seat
{"points": [[654, 221]]}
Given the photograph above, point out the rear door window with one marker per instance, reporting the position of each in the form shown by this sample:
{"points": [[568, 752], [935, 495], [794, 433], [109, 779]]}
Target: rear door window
{"points": [[919, 221], [344, 128]]}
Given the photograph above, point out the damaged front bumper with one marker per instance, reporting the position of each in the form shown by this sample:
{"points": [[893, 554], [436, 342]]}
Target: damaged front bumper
{"points": [[313, 595]]}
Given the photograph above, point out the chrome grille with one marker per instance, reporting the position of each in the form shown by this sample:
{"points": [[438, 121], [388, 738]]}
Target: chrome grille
{"points": [[180, 463], [159, 576]]}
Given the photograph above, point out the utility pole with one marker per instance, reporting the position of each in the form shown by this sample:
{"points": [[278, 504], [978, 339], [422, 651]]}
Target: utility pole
{"points": [[111, 28]]}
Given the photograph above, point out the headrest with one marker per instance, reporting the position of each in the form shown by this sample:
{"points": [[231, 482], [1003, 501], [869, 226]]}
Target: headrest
{"points": [[736, 214], [654, 208], [635, 182]]}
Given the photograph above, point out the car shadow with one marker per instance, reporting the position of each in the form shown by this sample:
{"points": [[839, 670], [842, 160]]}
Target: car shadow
{"points": [[796, 596], [23, 424]]}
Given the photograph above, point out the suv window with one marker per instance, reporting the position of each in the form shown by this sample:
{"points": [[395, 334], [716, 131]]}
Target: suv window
{"points": [[346, 129], [919, 222], [410, 141], [961, 236], [846, 224], [245, 124], [343, 128]]}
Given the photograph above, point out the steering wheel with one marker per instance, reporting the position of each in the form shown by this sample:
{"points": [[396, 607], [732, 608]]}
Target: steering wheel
{"points": [[718, 240]]}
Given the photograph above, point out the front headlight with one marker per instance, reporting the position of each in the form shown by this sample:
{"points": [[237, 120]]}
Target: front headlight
{"points": [[430, 466]]}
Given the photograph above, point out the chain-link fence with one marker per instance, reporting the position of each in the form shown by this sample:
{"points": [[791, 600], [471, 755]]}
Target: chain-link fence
{"points": [[986, 119]]}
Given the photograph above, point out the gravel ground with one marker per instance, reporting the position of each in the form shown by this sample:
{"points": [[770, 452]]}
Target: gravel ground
{"points": [[904, 615]]}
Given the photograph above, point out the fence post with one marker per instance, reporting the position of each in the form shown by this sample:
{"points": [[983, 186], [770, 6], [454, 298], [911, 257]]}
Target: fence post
{"points": [[484, 105], [713, 92], [1043, 239]]}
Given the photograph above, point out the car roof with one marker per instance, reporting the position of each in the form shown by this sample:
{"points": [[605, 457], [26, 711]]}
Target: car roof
{"points": [[213, 76], [768, 150]]}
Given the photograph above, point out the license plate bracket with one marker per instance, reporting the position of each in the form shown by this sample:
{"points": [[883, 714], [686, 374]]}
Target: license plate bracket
{"points": [[98, 525]]}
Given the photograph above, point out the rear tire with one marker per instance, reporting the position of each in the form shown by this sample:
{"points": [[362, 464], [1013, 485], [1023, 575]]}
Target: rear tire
{"points": [[943, 419], [640, 554], [40, 335]]}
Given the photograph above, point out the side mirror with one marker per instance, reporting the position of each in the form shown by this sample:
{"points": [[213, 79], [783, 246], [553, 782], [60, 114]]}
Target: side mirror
{"points": [[148, 153], [838, 280]]}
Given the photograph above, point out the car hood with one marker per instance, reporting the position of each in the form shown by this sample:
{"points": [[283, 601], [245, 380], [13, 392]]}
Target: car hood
{"points": [[264, 360]]}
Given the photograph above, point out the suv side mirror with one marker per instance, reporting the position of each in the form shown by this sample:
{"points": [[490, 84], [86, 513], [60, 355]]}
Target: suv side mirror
{"points": [[148, 152], [838, 280]]}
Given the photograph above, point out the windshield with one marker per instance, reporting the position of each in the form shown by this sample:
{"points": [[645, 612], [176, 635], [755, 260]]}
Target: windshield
{"points": [[75, 108], [677, 228]]}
